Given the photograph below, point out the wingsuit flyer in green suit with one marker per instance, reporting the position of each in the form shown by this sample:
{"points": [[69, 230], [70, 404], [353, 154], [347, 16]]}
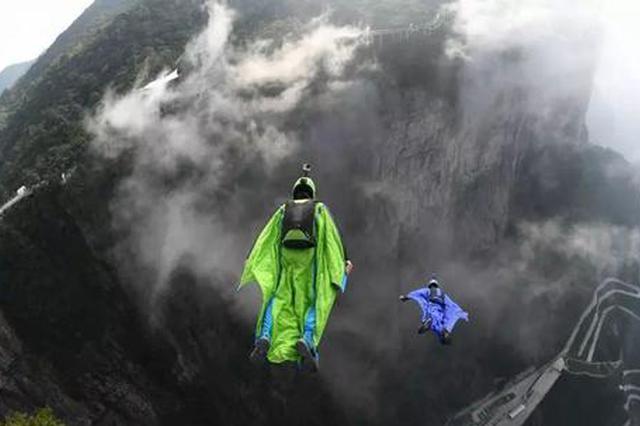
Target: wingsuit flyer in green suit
{"points": [[300, 264]]}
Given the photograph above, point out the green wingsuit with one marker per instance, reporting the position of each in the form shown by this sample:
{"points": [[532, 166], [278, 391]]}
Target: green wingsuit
{"points": [[299, 285]]}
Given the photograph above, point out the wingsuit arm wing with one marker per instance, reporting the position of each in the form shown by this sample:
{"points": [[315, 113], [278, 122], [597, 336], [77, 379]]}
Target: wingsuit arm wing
{"points": [[331, 247], [453, 313], [343, 242], [330, 269], [263, 263], [421, 297]]}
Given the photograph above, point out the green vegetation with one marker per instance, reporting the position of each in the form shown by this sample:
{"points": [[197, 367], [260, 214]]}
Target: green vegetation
{"points": [[42, 417], [41, 119]]}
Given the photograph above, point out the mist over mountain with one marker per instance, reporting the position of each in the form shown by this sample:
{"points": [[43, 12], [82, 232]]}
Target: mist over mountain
{"points": [[445, 136], [12, 73]]}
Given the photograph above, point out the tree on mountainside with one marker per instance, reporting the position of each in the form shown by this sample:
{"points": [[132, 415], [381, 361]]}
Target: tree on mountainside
{"points": [[42, 417]]}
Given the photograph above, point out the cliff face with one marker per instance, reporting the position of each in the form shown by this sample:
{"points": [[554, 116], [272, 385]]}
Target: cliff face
{"points": [[458, 139], [428, 162], [65, 320]]}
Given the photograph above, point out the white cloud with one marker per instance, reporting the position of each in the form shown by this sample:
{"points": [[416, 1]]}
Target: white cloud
{"points": [[502, 24], [220, 110], [299, 59], [606, 247], [565, 39]]}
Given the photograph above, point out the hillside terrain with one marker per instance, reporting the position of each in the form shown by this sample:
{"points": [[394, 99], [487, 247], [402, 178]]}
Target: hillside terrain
{"points": [[12, 73]]}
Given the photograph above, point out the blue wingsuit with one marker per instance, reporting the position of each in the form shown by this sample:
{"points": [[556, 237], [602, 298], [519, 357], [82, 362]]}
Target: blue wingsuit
{"points": [[439, 312]]}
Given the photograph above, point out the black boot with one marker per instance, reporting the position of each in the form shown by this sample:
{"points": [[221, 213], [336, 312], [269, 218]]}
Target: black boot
{"points": [[309, 356], [425, 326], [260, 350]]}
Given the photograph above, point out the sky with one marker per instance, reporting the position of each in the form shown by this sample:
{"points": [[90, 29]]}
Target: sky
{"points": [[46, 19]]}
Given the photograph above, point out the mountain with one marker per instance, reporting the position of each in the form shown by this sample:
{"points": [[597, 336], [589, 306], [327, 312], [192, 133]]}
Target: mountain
{"points": [[117, 295], [12, 73], [72, 75], [81, 31]]}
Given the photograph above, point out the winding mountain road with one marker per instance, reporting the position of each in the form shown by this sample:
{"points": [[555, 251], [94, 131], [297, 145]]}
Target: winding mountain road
{"points": [[613, 300]]}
